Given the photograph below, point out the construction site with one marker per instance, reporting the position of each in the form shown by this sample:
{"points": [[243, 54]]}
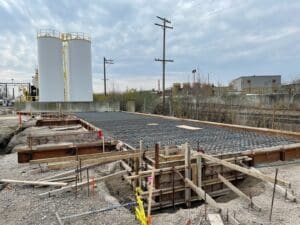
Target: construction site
{"points": [[134, 168], [194, 153]]}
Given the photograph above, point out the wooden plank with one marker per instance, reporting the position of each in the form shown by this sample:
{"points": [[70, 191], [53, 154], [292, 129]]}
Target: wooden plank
{"points": [[215, 219], [238, 192], [64, 189], [59, 219], [82, 157], [245, 171], [201, 193], [157, 172], [57, 175], [38, 183]]}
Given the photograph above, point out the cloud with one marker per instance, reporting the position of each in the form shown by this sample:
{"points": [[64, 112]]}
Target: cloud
{"points": [[225, 38]]}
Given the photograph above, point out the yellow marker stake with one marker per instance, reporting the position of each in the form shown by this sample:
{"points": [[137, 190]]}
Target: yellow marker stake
{"points": [[139, 210]]}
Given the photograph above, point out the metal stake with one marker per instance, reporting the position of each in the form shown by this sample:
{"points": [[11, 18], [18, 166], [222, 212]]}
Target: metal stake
{"points": [[274, 189]]}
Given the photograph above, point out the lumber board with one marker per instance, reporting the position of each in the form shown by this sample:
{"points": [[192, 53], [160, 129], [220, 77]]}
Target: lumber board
{"points": [[238, 192], [63, 165], [201, 193], [59, 219], [93, 161], [57, 175], [64, 189], [38, 183], [215, 219], [245, 170], [156, 171]]}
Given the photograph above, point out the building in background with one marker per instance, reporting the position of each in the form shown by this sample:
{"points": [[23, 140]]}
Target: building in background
{"points": [[65, 67], [257, 84]]}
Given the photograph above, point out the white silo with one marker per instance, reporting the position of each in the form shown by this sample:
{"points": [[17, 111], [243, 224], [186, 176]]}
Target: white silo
{"points": [[50, 66], [79, 67]]}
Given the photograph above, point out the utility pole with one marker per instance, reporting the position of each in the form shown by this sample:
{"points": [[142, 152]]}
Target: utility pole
{"points": [[106, 61], [164, 60], [13, 89]]}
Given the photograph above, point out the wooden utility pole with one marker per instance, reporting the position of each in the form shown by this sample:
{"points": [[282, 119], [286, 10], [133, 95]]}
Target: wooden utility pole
{"points": [[164, 60], [106, 61]]}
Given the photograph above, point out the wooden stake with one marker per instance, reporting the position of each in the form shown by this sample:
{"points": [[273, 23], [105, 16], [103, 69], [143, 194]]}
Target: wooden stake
{"points": [[150, 196], [140, 160], [199, 170], [88, 181], [274, 189], [103, 143], [187, 174]]}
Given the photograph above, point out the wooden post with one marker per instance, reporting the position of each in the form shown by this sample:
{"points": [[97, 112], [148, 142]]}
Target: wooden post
{"points": [[173, 188], [141, 159], [166, 150], [80, 174], [187, 159], [103, 144], [76, 185], [199, 170], [156, 166]]}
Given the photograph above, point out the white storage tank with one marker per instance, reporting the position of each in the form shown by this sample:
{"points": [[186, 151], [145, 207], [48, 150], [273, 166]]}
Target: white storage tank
{"points": [[79, 68], [50, 66]]}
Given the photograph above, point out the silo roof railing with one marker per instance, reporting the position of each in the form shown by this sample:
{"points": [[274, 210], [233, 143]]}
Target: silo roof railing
{"points": [[48, 33], [76, 36]]}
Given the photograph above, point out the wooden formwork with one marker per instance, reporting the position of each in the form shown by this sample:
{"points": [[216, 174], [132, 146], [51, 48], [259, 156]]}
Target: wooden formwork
{"points": [[169, 187], [25, 154], [39, 148]]}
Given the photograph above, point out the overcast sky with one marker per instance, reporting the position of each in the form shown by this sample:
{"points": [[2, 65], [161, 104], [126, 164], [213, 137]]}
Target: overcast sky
{"points": [[225, 38]]}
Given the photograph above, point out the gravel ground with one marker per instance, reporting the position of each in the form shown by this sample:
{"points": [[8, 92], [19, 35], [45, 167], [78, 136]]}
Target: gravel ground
{"points": [[130, 128], [20, 205]]}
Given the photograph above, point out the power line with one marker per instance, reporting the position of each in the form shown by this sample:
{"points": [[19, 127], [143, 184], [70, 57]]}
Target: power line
{"points": [[106, 61], [164, 60]]}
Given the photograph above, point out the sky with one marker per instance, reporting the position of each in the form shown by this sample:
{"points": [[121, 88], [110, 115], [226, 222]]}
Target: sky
{"points": [[223, 38]]}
